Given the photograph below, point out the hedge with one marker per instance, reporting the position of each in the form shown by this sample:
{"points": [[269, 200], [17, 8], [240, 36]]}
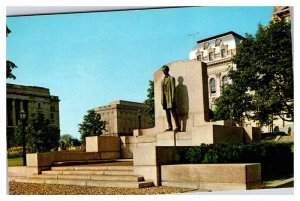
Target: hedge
{"points": [[16, 152], [276, 159]]}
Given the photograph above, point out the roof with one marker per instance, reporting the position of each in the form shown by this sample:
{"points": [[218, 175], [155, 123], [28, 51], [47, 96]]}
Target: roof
{"points": [[221, 35]]}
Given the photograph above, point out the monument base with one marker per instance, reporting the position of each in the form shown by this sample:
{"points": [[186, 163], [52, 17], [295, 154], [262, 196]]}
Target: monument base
{"points": [[207, 134]]}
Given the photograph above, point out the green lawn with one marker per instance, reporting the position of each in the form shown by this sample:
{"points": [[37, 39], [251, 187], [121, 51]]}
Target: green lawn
{"points": [[15, 162]]}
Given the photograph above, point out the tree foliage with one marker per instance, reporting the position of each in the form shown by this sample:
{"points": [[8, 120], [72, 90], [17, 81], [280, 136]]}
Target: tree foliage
{"points": [[68, 140], [92, 125], [262, 83], [150, 103], [9, 64], [41, 134]]}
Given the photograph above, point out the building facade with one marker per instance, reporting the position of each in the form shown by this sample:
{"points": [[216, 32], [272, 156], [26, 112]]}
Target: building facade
{"points": [[29, 99], [282, 13], [123, 117], [217, 51]]}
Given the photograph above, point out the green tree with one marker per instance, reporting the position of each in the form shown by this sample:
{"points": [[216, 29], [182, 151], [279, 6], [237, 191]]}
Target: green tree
{"points": [[150, 103], [69, 140], [92, 125], [262, 83], [41, 134], [9, 64]]}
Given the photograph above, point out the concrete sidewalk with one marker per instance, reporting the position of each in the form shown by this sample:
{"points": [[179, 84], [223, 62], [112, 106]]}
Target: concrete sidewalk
{"points": [[287, 183], [272, 191], [278, 187]]}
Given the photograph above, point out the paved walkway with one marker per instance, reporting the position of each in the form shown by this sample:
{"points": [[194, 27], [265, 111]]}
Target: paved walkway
{"points": [[286, 183], [278, 187]]}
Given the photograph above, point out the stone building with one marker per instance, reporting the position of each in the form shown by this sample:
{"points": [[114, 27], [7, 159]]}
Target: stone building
{"points": [[29, 99], [281, 12], [123, 117], [217, 52]]}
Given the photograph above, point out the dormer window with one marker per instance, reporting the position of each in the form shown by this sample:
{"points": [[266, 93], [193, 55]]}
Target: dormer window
{"points": [[206, 45], [217, 42]]}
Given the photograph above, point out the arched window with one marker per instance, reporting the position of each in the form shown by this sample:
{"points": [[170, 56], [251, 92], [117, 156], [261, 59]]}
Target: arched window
{"points": [[225, 80], [217, 42], [212, 84]]}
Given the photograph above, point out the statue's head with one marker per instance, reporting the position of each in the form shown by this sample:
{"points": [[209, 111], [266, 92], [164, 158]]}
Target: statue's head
{"points": [[180, 80], [165, 69]]}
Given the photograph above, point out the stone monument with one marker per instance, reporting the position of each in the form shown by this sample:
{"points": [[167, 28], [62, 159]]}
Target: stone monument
{"points": [[193, 112], [156, 146]]}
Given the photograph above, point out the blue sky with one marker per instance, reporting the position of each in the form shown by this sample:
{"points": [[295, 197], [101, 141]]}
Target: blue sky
{"points": [[91, 59]]}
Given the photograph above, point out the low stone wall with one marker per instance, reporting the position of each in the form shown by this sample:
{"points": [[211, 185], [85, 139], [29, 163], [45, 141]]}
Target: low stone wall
{"points": [[97, 148], [21, 171], [213, 177], [43, 161], [156, 163]]}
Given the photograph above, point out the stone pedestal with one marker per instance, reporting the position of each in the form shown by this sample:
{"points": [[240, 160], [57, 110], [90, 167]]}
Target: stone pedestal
{"points": [[145, 163], [108, 146], [191, 94], [192, 108]]}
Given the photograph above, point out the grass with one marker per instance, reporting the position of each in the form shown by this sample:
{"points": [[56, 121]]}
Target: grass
{"points": [[15, 162]]}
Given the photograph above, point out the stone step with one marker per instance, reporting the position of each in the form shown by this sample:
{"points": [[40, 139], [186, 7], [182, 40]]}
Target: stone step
{"points": [[90, 177], [88, 172], [92, 167], [122, 184]]}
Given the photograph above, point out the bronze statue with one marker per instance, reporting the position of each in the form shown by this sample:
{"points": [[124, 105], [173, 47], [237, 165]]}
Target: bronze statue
{"points": [[168, 100]]}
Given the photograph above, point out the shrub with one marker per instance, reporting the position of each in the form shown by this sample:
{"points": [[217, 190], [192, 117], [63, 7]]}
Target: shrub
{"points": [[275, 159], [16, 152]]}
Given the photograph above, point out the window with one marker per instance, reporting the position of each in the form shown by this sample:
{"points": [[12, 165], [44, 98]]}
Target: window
{"points": [[211, 56], [224, 80], [217, 42], [206, 44], [223, 53], [199, 58], [212, 86]]}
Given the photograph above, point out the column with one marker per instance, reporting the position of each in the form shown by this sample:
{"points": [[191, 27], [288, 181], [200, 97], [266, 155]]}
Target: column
{"points": [[21, 105], [218, 79], [13, 106]]}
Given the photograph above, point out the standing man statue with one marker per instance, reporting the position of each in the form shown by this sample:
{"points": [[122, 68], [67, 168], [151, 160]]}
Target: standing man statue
{"points": [[168, 98]]}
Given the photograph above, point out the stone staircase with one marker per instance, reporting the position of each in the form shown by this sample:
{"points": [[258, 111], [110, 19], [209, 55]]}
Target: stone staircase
{"points": [[100, 175]]}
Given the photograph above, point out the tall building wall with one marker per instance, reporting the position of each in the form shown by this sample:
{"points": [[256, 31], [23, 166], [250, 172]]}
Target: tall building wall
{"points": [[29, 99]]}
